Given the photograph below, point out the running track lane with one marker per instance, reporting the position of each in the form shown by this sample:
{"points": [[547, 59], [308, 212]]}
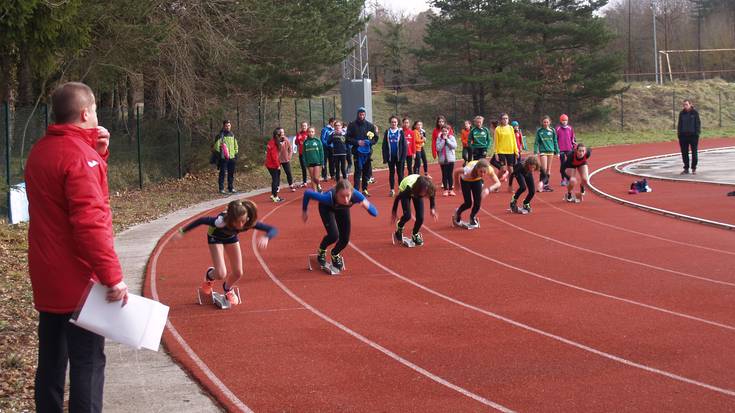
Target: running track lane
{"points": [[189, 261]]}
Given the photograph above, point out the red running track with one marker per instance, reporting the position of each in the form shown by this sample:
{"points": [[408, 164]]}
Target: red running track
{"points": [[708, 202], [584, 307]]}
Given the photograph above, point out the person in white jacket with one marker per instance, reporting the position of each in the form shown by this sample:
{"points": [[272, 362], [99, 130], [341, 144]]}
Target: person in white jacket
{"points": [[446, 145]]}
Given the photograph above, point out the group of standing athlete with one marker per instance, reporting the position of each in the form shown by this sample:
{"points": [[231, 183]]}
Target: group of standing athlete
{"points": [[494, 154]]}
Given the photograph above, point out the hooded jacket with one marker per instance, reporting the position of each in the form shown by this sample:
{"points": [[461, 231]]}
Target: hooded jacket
{"points": [[70, 239], [689, 123]]}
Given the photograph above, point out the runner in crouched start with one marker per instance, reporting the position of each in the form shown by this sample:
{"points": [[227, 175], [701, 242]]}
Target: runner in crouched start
{"points": [[523, 172], [471, 178], [413, 187], [576, 167], [334, 209], [222, 238]]}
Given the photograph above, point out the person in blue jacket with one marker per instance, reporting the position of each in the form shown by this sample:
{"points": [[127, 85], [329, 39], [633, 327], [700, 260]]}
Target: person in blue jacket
{"points": [[394, 152], [327, 165], [334, 209]]}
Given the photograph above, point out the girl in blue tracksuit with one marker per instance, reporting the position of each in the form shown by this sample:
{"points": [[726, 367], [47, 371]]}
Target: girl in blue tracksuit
{"points": [[394, 152], [222, 237], [334, 209]]}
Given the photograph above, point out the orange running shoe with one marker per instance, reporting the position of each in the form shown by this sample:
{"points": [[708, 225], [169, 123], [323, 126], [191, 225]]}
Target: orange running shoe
{"points": [[232, 297]]}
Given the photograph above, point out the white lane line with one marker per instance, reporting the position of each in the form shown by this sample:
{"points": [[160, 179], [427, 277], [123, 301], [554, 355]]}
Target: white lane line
{"points": [[366, 340], [656, 237], [184, 345], [615, 257], [648, 207], [581, 346], [576, 287]]}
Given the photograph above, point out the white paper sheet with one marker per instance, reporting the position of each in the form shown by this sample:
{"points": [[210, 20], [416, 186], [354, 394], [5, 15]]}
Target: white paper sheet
{"points": [[138, 324]]}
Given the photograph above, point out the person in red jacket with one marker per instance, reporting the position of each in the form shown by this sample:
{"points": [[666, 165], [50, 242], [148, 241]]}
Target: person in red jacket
{"points": [[301, 136], [70, 245], [411, 145], [273, 163]]}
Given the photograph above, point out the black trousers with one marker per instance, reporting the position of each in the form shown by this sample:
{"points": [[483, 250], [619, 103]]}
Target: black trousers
{"points": [[525, 179], [226, 165], [421, 160], [478, 153], [328, 164], [418, 205], [337, 224], [447, 179], [287, 169], [339, 163], [472, 194], [302, 163], [686, 142], [275, 180], [466, 155], [409, 165], [60, 342], [563, 156], [395, 167]]}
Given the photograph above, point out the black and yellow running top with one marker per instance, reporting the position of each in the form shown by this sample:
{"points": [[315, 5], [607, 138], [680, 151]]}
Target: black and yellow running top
{"points": [[218, 229], [405, 191]]}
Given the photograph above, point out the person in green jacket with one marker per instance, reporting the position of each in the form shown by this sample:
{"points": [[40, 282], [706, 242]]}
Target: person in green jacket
{"points": [[313, 157], [546, 147], [479, 139], [225, 147]]}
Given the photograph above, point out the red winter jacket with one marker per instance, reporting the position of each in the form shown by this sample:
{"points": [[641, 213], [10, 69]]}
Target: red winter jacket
{"points": [[300, 138], [272, 151], [409, 134], [70, 239]]}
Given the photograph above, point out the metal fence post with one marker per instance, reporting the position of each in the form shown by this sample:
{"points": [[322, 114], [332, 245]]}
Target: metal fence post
{"points": [[334, 107], [45, 115], [137, 129], [456, 120], [673, 108], [238, 115], [296, 114], [719, 105], [7, 148], [279, 110], [396, 112], [324, 119], [310, 121], [211, 127], [622, 113], [178, 136]]}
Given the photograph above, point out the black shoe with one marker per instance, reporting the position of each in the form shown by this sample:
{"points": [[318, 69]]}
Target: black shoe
{"points": [[417, 239], [513, 207], [321, 257], [527, 207], [338, 262], [398, 235], [731, 193], [684, 172]]}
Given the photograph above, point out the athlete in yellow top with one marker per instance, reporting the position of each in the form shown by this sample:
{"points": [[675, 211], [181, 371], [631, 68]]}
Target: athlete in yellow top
{"points": [[471, 178], [504, 146]]}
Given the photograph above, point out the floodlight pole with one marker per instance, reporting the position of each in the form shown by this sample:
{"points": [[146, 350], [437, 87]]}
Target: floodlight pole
{"points": [[655, 46]]}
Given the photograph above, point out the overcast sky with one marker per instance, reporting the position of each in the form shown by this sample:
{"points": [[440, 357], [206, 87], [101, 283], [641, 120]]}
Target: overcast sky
{"points": [[407, 7]]}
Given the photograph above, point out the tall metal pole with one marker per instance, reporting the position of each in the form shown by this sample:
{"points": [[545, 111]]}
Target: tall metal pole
{"points": [[296, 115], [630, 50], [178, 136], [655, 46]]}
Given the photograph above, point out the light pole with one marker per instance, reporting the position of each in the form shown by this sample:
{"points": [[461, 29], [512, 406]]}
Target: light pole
{"points": [[655, 46]]}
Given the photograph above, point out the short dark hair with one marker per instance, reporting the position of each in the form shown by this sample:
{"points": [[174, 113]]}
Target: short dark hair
{"points": [[69, 99], [225, 122]]}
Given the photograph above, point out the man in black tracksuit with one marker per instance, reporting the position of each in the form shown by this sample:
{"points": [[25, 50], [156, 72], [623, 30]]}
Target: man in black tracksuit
{"points": [[362, 149], [688, 130]]}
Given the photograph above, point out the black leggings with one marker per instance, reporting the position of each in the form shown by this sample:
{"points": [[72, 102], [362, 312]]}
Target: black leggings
{"points": [[302, 163], [563, 156], [418, 205], [472, 193], [395, 167], [328, 163], [525, 179], [421, 157], [337, 224], [275, 180], [409, 164], [287, 169], [466, 155], [686, 142], [340, 166], [447, 179]]}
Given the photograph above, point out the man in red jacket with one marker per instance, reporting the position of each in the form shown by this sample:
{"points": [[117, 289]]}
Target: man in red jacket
{"points": [[70, 244]]}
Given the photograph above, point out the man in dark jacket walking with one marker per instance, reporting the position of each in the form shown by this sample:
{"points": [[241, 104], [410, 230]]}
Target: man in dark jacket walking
{"points": [[362, 136], [688, 130]]}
